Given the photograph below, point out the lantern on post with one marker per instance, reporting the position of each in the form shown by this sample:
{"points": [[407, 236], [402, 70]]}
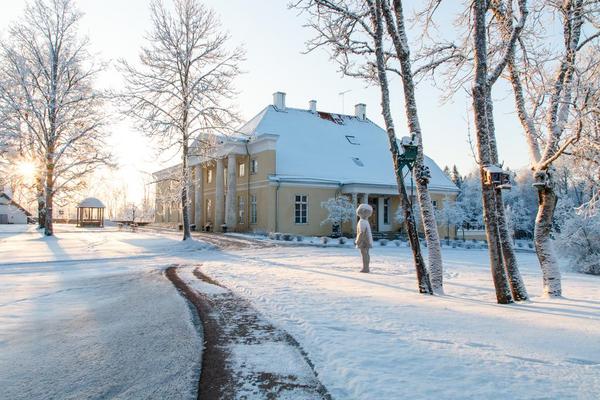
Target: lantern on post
{"points": [[497, 177], [409, 156]]}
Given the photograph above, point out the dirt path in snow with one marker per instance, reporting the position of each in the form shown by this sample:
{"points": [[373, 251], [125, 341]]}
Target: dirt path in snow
{"points": [[244, 355]]}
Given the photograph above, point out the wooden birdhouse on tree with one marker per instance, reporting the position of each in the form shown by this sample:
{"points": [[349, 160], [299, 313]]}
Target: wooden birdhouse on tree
{"points": [[497, 177]]}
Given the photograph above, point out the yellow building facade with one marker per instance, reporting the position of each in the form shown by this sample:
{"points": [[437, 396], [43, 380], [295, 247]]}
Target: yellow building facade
{"points": [[274, 175]]}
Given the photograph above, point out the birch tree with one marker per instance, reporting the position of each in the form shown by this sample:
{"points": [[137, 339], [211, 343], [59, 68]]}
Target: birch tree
{"points": [[495, 222], [183, 86], [351, 30], [553, 95], [48, 86]]}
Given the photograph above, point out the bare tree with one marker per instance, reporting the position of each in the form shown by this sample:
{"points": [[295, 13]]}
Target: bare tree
{"points": [[183, 86], [484, 78], [554, 95], [480, 56], [351, 30], [48, 86]]}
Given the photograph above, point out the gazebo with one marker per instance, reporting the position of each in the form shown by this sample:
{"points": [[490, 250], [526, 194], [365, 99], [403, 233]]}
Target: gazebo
{"points": [[90, 212]]}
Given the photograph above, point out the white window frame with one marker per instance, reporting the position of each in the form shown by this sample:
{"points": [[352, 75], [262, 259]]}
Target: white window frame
{"points": [[241, 170], [209, 175], [253, 209], [300, 203], [241, 210]]}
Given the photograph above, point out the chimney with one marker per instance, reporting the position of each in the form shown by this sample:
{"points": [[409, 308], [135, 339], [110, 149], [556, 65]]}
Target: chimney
{"points": [[360, 111], [312, 106], [279, 101]]}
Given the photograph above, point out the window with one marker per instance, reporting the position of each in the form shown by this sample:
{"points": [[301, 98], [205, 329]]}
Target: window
{"points": [[241, 209], [253, 166], [434, 202], [209, 176], [352, 139], [253, 215], [242, 169], [225, 179], [301, 209], [386, 211], [208, 210]]}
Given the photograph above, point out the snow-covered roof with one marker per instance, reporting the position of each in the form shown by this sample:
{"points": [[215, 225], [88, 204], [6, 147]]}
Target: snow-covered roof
{"points": [[90, 202], [331, 147], [8, 200]]}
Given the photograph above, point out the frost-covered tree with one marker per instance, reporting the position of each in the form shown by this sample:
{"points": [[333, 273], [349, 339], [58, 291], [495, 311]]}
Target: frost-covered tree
{"points": [[450, 214], [473, 59], [339, 210], [579, 239], [47, 86], [507, 279], [183, 87], [553, 92], [360, 33]]}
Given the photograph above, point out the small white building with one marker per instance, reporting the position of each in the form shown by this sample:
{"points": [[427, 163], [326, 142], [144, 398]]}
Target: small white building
{"points": [[10, 211]]}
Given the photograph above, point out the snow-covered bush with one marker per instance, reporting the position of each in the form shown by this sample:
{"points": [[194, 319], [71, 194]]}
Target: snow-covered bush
{"points": [[287, 237], [299, 238], [324, 240], [342, 240], [271, 235], [398, 242], [339, 210], [579, 241], [383, 242]]}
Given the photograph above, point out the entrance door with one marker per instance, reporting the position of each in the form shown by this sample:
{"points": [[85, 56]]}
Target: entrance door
{"points": [[3, 218], [374, 220]]}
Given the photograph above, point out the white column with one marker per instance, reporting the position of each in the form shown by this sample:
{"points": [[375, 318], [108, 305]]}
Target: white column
{"points": [[198, 196], [231, 196], [355, 205], [219, 195]]}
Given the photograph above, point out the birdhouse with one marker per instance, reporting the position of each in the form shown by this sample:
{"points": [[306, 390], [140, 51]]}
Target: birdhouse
{"points": [[409, 155], [410, 148], [497, 177]]}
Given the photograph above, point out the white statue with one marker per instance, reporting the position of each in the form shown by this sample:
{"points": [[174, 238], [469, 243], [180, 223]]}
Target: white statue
{"points": [[364, 239]]}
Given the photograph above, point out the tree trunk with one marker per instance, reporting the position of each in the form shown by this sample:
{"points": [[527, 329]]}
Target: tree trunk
{"points": [[423, 278], [517, 286], [187, 234], [48, 223], [400, 40], [480, 90], [39, 186], [543, 245]]}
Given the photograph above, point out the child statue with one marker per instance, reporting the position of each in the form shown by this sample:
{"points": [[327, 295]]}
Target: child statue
{"points": [[364, 239]]}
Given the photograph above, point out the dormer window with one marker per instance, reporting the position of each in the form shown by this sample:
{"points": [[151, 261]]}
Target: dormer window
{"points": [[352, 139], [358, 162]]}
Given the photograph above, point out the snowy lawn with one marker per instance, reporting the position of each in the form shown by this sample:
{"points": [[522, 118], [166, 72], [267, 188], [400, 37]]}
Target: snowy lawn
{"points": [[88, 314], [373, 337]]}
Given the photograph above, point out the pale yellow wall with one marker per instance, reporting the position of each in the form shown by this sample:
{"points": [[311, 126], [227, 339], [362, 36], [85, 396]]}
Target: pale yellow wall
{"points": [[316, 213], [267, 192]]}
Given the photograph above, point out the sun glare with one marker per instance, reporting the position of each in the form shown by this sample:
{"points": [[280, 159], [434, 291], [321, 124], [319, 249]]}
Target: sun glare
{"points": [[26, 169]]}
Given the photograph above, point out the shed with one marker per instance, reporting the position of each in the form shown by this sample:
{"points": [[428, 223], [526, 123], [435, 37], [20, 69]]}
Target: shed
{"points": [[11, 212]]}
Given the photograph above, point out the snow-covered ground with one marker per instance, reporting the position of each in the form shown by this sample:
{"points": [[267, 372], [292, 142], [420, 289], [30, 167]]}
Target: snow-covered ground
{"points": [[373, 337], [88, 314]]}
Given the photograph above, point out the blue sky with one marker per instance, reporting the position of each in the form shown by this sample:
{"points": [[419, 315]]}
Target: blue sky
{"points": [[274, 39]]}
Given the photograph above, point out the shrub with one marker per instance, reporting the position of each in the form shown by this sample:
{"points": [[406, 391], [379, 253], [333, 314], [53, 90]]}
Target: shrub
{"points": [[398, 242], [299, 238], [324, 239], [342, 240], [383, 242], [287, 237]]}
